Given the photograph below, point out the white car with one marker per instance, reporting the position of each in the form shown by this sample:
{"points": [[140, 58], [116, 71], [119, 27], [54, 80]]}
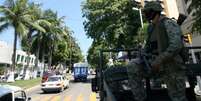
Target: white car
{"points": [[55, 83], [12, 93]]}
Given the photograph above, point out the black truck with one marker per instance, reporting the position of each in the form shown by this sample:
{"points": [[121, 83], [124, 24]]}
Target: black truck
{"points": [[112, 83]]}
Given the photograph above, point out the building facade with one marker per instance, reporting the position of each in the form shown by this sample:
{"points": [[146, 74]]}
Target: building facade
{"points": [[170, 8], [6, 52]]}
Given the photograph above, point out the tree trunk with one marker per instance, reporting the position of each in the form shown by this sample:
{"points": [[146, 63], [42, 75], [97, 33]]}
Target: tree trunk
{"points": [[14, 52], [50, 58], [27, 66], [37, 55], [11, 75], [43, 59], [29, 53]]}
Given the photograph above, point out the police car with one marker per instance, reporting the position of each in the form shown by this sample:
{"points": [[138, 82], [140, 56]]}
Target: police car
{"points": [[12, 93]]}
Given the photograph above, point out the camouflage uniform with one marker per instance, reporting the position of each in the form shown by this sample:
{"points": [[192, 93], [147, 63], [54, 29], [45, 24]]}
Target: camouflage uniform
{"points": [[167, 36]]}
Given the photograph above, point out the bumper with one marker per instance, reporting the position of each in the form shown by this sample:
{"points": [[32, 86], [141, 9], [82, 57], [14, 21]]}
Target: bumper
{"points": [[49, 89], [80, 77]]}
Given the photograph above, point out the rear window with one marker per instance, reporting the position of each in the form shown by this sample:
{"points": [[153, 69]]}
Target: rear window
{"points": [[20, 96], [6, 97], [54, 79]]}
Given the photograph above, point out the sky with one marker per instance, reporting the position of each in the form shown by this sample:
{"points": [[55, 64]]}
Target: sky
{"points": [[71, 9]]}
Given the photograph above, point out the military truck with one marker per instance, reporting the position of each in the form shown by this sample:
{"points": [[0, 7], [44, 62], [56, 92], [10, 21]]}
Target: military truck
{"points": [[112, 83]]}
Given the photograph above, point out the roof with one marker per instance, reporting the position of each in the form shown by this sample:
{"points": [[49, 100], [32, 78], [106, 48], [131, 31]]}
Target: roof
{"points": [[9, 88], [4, 91], [80, 65], [56, 76]]}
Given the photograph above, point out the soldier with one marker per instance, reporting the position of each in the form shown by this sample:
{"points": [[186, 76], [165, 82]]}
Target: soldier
{"points": [[164, 40]]}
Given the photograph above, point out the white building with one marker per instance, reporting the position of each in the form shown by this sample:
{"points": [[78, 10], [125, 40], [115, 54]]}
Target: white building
{"points": [[22, 58], [6, 52]]}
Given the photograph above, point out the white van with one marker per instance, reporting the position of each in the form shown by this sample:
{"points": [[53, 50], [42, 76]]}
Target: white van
{"points": [[12, 93]]}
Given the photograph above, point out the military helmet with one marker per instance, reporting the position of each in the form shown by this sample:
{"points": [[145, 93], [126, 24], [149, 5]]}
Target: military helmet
{"points": [[153, 6]]}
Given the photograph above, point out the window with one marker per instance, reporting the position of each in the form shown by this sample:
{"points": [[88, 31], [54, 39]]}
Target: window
{"points": [[22, 58], [54, 79], [6, 97], [20, 96], [18, 58]]}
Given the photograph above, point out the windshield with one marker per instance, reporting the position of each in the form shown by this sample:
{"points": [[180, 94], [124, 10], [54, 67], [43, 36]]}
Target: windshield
{"points": [[6, 97], [54, 79]]}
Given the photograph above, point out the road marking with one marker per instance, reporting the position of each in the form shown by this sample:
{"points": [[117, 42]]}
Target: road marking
{"points": [[46, 98], [35, 98], [67, 98], [93, 97], [80, 97], [56, 98]]}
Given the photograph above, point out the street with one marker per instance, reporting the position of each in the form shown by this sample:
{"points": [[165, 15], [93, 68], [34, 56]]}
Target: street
{"points": [[78, 91]]}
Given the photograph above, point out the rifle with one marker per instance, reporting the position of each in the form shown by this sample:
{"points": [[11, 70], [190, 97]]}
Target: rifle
{"points": [[144, 61]]}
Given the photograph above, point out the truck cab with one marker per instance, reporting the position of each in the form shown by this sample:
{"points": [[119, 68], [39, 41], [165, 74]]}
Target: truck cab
{"points": [[80, 71], [12, 93]]}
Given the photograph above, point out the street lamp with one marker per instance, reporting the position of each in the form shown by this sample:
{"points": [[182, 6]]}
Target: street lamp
{"points": [[139, 9]]}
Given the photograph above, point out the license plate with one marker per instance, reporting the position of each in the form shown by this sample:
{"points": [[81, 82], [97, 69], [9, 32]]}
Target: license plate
{"points": [[50, 85]]}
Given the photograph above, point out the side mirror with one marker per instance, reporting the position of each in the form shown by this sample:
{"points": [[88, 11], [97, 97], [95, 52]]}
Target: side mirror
{"points": [[29, 99], [94, 85]]}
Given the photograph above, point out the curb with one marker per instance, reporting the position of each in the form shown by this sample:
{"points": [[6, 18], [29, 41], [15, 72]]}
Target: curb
{"points": [[32, 88]]}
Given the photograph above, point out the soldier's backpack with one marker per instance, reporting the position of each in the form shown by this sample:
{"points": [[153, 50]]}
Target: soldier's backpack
{"points": [[184, 53]]}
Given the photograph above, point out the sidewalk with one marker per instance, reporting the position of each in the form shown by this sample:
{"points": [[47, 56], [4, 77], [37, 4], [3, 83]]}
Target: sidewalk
{"points": [[25, 84]]}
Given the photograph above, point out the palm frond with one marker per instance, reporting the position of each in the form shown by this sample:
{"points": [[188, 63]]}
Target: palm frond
{"points": [[36, 26], [9, 3], [22, 30], [4, 26], [3, 19], [6, 10], [43, 22]]}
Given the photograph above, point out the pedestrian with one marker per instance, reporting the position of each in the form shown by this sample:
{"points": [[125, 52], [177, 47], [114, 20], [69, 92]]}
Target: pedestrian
{"points": [[164, 43]]}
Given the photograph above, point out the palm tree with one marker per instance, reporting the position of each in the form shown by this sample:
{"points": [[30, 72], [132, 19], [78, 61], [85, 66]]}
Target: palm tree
{"points": [[27, 41], [16, 13], [48, 41]]}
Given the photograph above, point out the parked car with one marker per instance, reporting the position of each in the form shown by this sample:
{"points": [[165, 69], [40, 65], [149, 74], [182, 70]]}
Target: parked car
{"points": [[55, 83], [3, 78], [12, 93]]}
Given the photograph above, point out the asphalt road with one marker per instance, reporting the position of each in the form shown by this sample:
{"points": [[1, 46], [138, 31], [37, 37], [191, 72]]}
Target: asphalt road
{"points": [[78, 91], [81, 91]]}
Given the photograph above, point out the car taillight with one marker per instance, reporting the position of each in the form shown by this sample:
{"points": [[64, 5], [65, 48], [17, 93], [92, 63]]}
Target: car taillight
{"points": [[44, 79], [58, 84]]}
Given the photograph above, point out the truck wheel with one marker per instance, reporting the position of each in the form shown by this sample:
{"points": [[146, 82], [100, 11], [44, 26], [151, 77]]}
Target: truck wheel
{"points": [[44, 91], [197, 90], [62, 89]]}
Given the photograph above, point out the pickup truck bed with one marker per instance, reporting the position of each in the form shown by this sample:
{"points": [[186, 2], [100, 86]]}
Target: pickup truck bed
{"points": [[116, 86]]}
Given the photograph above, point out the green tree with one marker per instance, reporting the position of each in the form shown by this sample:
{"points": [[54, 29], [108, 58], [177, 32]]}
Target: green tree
{"points": [[195, 9], [26, 41], [16, 13], [112, 20], [49, 41], [93, 56]]}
